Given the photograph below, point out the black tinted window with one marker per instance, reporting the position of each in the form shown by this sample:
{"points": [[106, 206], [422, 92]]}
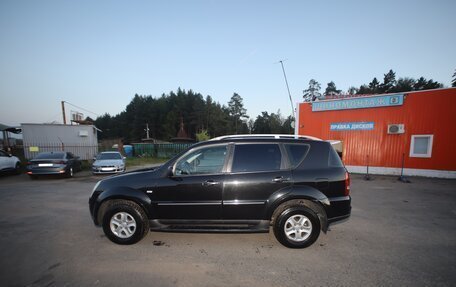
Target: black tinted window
{"points": [[50, 155], [296, 153], [334, 158], [256, 157], [207, 160]]}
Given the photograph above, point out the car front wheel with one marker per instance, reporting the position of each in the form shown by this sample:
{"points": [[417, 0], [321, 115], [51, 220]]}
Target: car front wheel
{"points": [[17, 169], [297, 227], [124, 222]]}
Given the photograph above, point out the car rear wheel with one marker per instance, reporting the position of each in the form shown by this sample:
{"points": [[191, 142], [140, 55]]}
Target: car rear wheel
{"points": [[70, 172], [125, 222], [297, 227]]}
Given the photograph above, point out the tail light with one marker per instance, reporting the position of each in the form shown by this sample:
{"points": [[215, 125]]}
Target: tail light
{"points": [[347, 184]]}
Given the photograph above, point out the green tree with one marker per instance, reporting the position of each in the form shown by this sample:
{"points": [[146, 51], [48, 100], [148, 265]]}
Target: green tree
{"points": [[423, 84], [352, 90], [202, 136], [312, 92], [261, 125], [272, 123], [389, 81], [364, 90], [374, 86], [453, 82], [404, 85], [331, 89], [163, 115], [236, 110]]}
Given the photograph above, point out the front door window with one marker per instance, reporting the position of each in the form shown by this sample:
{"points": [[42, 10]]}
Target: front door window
{"points": [[209, 160]]}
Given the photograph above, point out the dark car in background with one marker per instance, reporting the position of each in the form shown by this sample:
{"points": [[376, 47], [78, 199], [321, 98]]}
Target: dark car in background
{"points": [[296, 184], [54, 163]]}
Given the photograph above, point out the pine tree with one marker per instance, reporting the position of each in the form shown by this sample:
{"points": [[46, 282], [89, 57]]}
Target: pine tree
{"points": [[331, 89], [453, 82], [312, 92], [389, 81], [237, 110]]}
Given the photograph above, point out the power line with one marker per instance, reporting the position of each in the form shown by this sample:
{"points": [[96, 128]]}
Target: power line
{"points": [[82, 108]]}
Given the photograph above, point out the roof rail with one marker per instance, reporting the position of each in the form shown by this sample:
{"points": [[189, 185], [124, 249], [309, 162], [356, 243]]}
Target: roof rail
{"points": [[273, 136]]}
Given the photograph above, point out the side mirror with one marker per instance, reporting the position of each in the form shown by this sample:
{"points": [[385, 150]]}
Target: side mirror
{"points": [[169, 172], [94, 158], [10, 155], [124, 158]]}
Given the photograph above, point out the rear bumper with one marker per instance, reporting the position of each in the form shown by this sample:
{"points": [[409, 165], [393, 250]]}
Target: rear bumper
{"points": [[44, 171], [339, 209]]}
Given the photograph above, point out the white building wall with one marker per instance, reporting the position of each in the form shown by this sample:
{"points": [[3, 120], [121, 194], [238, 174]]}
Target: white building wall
{"points": [[81, 140]]}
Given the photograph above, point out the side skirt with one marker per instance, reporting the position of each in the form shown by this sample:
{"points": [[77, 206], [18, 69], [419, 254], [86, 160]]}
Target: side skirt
{"points": [[210, 226]]}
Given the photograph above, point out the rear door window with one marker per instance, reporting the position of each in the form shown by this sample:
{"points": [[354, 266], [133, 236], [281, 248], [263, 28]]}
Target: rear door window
{"points": [[257, 157]]}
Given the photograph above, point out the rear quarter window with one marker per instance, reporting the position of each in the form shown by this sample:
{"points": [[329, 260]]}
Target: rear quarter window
{"points": [[321, 155], [334, 158], [296, 153]]}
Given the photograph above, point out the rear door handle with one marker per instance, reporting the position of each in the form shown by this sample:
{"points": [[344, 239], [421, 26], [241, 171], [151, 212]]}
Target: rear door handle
{"points": [[280, 179], [210, 183]]}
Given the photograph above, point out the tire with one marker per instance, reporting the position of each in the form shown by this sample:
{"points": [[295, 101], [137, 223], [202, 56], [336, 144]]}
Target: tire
{"points": [[136, 223], [70, 172], [17, 169], [302, 225]]}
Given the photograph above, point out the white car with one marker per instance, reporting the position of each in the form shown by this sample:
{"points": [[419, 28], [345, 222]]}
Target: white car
{"points": [[108, 162], [9, 163]]}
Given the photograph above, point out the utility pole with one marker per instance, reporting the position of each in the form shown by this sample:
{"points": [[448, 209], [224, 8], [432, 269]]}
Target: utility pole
{"points": [[288, 88], [147, 131], [63, 112], [293, 124]]}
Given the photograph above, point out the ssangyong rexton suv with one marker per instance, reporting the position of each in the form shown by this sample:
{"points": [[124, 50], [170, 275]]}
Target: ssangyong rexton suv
{"points": [[296, 184]]}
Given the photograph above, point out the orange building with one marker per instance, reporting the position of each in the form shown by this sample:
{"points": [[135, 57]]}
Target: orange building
{"points": [[416, 130]]}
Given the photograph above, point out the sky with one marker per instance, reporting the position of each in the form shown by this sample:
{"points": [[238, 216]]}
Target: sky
{"points": [[98, 54]]}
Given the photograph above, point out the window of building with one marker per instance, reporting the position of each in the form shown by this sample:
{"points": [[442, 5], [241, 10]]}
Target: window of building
{"points": [[256, 157], [421, 146]]}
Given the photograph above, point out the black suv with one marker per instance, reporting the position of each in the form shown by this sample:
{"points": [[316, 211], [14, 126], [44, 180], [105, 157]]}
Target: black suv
{"points": [[296, 184]]}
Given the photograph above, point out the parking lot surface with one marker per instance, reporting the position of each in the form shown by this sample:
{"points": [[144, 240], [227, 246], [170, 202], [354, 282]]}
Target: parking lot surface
{"points": [[399, 234]]}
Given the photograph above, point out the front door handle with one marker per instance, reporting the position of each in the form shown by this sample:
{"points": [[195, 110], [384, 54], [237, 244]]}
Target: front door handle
{"points": [[280, 179], [210, 183]]}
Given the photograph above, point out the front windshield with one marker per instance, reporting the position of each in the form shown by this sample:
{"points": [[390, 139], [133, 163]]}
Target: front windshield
{"points": [[110, 155]]}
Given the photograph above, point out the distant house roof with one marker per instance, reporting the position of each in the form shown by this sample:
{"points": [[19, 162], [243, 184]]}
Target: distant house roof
{"points": [[10, 129]]}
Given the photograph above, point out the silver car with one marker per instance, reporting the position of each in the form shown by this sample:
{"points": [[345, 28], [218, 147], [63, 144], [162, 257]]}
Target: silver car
{"points": [[108, 162]]}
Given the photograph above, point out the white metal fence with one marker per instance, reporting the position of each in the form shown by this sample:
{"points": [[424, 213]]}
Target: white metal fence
{"points": [[84, 151]]}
